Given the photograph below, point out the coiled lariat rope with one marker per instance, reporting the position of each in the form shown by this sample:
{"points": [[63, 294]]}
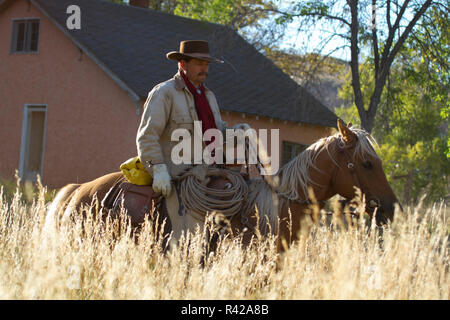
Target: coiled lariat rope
{"points": [[199, 199]]}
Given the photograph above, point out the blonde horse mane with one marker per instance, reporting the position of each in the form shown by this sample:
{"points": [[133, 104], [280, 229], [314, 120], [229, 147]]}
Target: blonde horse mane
{"points": [[268, 200]]}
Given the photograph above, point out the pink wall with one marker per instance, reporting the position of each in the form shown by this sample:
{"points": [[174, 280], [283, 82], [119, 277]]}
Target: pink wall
{"points": [[91, 121]]}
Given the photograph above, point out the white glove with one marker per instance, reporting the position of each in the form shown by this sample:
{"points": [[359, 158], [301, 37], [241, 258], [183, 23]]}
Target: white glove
{"points": [[161, 179], [243, 126]]}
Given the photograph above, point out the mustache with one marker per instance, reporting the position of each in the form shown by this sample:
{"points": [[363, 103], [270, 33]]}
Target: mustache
{"points": [[202, 73]]}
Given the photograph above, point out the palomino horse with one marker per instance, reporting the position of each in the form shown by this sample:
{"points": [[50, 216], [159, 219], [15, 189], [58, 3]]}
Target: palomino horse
{"points": [[332, 165], [338, 164]]}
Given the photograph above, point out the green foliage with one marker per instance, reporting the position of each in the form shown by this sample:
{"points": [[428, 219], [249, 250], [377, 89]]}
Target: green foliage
{"points": [[445, 111], [234, 13], [349, 114], [26, 191], [307, 8], [346, 93], [217, 11]]}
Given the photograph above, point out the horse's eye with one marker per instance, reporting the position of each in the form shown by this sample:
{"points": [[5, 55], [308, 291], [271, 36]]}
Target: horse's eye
{"points": [[367, 164]]}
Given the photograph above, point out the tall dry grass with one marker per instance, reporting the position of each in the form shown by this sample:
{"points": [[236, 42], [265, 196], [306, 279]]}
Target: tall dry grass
{"points": [[90, 261]]}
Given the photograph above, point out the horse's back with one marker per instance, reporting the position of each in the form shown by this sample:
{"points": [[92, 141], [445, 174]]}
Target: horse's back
{"points": [[98, 188], [62, 198], [84, 193]]}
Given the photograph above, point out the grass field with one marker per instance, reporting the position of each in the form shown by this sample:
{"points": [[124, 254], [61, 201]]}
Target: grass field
{"points": [[411, 261]]}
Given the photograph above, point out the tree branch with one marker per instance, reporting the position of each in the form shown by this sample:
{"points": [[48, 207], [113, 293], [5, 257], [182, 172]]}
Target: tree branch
{"points": [[388, 15], [392, 30], [389, 58], [354, 63], [405, 33], [376, 54], [313, 14]]}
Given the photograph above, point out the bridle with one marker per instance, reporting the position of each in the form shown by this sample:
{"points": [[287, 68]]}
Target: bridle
{"points": [[372, 204], [372, 201]]}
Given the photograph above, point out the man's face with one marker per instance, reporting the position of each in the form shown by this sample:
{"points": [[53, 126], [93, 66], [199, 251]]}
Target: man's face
{"points": [[196, 70]]}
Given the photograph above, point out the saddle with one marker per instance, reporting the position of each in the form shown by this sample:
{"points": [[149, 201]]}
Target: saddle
{"points": [[136, 200]]}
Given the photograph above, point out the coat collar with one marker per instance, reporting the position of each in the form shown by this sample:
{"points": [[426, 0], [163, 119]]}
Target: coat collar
{"points": [[180, 84]]}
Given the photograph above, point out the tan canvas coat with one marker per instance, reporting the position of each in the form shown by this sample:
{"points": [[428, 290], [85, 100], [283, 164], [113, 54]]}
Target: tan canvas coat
{"points": [[169, 106]]}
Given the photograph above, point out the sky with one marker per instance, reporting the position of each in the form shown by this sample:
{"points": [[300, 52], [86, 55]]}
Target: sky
{"points": [[314, 38], [309, 42]]}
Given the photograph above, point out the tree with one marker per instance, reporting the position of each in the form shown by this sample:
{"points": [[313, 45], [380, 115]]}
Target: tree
{"points": [[382, 26], [412, 124], [236, 14]]}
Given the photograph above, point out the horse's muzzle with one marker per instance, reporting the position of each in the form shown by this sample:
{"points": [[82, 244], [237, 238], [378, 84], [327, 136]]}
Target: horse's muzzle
{"points": [[385, 212]]}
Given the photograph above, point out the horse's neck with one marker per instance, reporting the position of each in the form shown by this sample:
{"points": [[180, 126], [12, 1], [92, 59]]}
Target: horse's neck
{"points": [[264, 194], [321, 177], [319, 190], [291, 213], [321, 193]]}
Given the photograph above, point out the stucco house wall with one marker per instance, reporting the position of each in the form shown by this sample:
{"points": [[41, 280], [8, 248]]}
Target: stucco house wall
{"points": [[91, 121]]}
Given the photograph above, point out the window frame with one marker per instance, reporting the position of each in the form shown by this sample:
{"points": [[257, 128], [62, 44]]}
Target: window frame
{"points": [[14, 33], [25, 139]]}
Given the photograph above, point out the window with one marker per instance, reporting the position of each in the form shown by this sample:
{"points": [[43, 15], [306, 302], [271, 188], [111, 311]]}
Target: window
{"points": [[25, 36], [33, 142], [290, 150]]}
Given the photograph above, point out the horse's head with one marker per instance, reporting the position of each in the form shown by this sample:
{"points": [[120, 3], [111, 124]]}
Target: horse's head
{"points": [[358, 165]]}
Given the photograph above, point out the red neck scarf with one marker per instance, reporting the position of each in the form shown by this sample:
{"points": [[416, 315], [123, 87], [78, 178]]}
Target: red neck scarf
{"points": [[204, 112]]}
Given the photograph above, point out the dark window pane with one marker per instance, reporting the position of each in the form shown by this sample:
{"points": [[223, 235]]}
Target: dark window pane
{"points": [[35, 141], [34, 27], [20, 36], [291, 150]]}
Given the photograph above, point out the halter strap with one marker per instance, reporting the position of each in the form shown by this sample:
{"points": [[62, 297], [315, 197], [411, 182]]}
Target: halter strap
{"points": [[343, 148]]}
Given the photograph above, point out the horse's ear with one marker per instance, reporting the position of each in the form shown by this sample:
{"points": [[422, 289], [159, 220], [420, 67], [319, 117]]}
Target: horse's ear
{"points": [[347, 135], [340, 125], [349, 125]]}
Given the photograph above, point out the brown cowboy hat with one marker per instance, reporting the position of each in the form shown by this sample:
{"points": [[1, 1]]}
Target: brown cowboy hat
{"points": [[198, 49]]}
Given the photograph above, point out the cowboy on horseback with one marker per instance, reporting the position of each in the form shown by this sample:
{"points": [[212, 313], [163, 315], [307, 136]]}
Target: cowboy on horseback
{"points": [[176, 104]]}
